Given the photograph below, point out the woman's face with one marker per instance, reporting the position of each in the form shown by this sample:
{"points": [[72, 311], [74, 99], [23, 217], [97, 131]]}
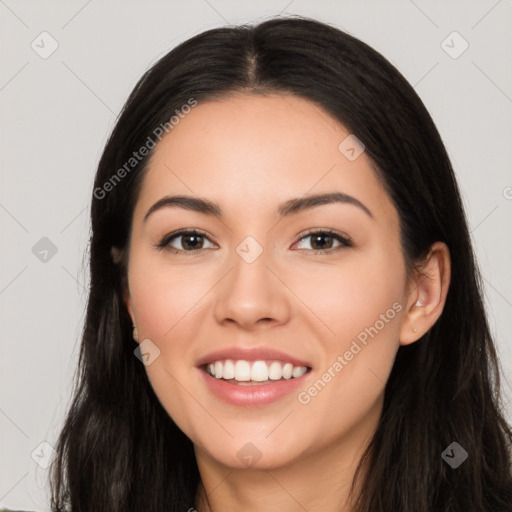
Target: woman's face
{"points": [[257, 286]]}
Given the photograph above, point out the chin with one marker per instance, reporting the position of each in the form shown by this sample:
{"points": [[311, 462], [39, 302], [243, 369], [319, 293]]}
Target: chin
{"points": [[254, 451]]}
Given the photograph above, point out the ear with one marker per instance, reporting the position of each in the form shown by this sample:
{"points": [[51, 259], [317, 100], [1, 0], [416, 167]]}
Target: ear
{"points": [[128, 302], [117, 257], [428, 289]]}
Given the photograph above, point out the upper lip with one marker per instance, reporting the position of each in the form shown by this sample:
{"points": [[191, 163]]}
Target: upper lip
{"points": [[250, 354]]}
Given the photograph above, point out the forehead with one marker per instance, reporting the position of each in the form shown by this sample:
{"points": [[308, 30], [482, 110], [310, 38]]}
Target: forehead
{"points": [[249, 152]]}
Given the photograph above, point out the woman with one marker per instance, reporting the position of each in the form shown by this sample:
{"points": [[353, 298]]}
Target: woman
{"points": [[285, 312]]}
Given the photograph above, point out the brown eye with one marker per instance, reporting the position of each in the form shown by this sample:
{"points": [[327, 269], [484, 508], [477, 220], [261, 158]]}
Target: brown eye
{"points": [[189, 240], [323, 241]]}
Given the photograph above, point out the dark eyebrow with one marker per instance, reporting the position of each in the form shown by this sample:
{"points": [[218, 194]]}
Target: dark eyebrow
{"points": [[290, 207]]}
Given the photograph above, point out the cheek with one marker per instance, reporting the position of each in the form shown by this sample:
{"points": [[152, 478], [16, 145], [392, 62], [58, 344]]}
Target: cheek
{"points": [[356, 310], [167, 303], [166, 299], [360, 305], [346, 297]]}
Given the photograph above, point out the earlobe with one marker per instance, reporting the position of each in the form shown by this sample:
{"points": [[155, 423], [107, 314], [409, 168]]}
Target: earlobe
{"points": [[128, 303], [427, 297], [117, 256]]}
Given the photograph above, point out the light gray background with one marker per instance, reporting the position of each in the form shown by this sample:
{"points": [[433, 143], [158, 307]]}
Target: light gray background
{"points": [[57, 114]]}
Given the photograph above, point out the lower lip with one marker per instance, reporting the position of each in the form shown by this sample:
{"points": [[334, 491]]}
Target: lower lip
{"points": [[254, 394]]}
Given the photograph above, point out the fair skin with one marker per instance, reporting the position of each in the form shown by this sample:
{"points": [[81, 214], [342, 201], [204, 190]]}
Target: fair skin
{"points": [[249, 154]]}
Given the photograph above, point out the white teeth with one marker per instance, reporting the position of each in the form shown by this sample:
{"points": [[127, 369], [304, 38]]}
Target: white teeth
{"points": [[242, 371], [218, 370], [275, 371], [298, 371], [229, 370], [257, 371], [287, 371]]}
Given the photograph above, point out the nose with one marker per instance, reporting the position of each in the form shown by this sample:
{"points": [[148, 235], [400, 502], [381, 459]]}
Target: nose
{"points": [[252, 294]]}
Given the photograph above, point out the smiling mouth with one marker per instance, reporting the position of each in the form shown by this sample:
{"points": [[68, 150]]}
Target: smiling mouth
{"points": [[252, 373]]}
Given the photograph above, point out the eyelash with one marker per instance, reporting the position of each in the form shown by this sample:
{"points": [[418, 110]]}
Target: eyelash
{"points": [[164, 243]]}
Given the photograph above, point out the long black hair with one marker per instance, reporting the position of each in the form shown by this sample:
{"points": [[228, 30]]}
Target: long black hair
{"points": [[119, 449]]}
